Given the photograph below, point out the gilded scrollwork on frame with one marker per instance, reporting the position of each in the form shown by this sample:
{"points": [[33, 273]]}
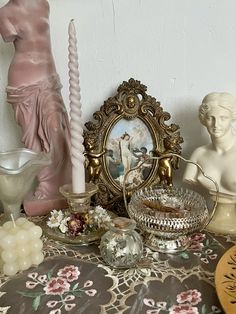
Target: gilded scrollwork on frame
{"points": [[128, 129]]}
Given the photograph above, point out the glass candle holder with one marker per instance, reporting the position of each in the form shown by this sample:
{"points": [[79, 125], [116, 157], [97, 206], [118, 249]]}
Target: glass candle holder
{"points": [[121, 246], [79, 203]]}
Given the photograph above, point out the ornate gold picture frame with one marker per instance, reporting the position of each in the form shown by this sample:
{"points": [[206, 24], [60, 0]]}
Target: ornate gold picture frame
{"points": [[128, 128]]}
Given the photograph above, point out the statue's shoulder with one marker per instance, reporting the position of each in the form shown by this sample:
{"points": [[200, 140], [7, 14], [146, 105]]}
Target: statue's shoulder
{"points": [[200, 151]]}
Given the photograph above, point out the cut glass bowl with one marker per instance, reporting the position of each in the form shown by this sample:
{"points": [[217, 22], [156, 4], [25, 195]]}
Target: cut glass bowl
{"points": [[167, 216]]}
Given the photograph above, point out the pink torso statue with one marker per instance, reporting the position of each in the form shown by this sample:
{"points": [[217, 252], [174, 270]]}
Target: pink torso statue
{"points": [[34, 91]]}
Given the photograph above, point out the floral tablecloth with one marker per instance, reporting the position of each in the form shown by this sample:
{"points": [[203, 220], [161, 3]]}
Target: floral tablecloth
{"points": [[74, 279]]}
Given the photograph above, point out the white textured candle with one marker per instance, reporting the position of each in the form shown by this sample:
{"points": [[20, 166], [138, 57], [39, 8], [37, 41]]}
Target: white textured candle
{"points": [[20, 246], [76, 122]]}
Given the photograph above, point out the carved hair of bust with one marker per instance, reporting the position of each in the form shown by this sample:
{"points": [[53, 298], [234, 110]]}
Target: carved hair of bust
{"points": [[222, 100]]}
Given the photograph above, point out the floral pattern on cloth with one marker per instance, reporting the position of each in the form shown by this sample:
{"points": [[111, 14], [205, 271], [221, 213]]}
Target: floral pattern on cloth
{"points": [[173, 296], [186, 303], [203, 248], [64, 287], [160, 277], [68, 286]]}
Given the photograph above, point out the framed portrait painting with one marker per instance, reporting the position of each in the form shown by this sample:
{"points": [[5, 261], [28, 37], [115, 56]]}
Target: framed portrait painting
{"points": [[129, 128]]}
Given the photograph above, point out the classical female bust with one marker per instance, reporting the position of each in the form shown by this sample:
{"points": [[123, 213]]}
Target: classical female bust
{"points": [[217, 159]]}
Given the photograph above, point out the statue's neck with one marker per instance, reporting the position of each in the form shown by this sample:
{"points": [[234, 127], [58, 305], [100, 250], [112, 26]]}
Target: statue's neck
{"points": [[224, 143]]}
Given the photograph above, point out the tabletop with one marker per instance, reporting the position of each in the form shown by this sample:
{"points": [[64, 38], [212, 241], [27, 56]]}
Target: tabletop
{"points": [[75, 279]]}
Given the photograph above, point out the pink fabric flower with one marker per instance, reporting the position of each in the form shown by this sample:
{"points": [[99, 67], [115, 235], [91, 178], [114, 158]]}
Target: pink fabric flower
{"points": [[88, 283], [196, 246], [199, 237], [42, 278], [69, 306], [213, 256], [191, 296], [204, 260], [33, 275], [69, 297], [70, 272], [215, 309], [155, 311], [52, 303], [31, 284], [91, 292], [149, 302], [56, 311], [161, 305], [56, 286], [183, 309]]}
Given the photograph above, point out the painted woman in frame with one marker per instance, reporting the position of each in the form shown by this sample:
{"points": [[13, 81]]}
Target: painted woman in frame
{"points": [[34, 91], [128, 144], [218, 159]]}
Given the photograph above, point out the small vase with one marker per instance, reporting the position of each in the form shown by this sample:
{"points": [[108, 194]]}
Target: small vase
{"points": [[121, 246]]}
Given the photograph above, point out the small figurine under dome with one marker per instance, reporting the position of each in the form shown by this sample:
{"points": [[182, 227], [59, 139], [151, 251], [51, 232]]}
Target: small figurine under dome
{"points": [[217, 159]]}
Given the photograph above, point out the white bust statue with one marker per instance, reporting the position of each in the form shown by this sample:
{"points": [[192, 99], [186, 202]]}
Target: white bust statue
{"points": [[217, 159]]}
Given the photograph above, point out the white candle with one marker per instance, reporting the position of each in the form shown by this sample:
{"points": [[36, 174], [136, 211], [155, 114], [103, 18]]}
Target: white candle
{"points": [[76, 122], [20, 246]]}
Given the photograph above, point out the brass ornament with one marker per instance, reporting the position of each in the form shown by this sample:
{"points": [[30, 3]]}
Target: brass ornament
{"points": [[131, 104]]}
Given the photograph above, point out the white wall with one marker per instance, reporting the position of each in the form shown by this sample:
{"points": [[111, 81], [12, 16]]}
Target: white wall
{"points": [[180, 49]]}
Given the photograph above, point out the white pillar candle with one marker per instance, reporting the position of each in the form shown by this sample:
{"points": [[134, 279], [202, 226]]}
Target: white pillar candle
{"points": [[76, 122], [20, 246]]}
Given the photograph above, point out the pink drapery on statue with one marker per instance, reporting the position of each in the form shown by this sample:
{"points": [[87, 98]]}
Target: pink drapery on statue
{"points": [[40, 111]]}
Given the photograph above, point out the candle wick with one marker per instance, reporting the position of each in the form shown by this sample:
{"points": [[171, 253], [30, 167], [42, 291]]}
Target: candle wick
{"points": [[13, 220]]}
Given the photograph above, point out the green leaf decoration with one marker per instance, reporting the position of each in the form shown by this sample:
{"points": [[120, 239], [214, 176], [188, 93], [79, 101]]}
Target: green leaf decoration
{"points": [[168, 302], [30, 294], [50, 272], [204, 309], [36, 302], [75, 286], [77, 293], [184, 255]]}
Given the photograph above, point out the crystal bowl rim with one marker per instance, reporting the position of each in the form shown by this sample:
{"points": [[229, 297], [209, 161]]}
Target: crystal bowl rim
{"points": [[144, 217]]}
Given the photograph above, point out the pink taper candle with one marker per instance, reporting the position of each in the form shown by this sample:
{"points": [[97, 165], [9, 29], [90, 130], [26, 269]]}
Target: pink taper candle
{"points": [[76, 121]]}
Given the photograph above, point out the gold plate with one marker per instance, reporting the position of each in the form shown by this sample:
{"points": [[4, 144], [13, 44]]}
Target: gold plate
{"points": [[225, 280]]}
